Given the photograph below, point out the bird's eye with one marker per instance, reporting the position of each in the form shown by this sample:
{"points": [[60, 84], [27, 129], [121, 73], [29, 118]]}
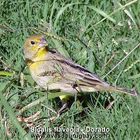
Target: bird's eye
{"points": [[32, 42]]}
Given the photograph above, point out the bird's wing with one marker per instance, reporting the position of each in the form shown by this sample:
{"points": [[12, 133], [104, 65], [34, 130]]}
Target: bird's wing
{"points": [[73, 73]]}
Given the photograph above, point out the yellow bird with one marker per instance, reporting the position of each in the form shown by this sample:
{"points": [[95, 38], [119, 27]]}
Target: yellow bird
{"points": [[52, 71]]}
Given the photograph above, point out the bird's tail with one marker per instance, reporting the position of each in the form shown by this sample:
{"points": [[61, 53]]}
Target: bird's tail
{"points": [[131, 92]]}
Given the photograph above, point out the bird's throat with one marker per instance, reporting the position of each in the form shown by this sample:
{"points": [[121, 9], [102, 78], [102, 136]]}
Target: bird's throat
{"points": [[40, 55]]}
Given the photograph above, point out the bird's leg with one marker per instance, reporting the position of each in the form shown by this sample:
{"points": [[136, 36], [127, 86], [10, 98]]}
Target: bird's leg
{"points": [[63, 108], [59, 112], [65, 99]]}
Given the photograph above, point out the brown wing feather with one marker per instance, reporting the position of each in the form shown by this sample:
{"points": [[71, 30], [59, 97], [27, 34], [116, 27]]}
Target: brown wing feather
{"points": [[76, 73]]}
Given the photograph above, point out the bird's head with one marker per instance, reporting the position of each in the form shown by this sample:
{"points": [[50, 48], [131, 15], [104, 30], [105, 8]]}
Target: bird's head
{"points": [[33, 45]]}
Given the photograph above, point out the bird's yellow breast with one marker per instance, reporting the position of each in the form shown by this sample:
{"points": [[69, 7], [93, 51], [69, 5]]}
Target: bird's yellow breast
{"points": [[34, 67], [38, 61]]}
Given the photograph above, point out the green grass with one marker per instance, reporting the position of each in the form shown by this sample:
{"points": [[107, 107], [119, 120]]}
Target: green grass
{"points": [[99, 35]]}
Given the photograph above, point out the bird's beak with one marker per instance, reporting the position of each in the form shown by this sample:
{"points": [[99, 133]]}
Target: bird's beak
{"points": [[43, 43]]}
